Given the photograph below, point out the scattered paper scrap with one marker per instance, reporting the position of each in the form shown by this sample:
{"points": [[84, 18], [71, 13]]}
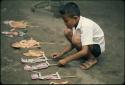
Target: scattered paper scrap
{"points": [[31, 43], [56, 76], [60, 82], [18, 24], [34, 53], [39, 66], [10, 34], [35, 60]]}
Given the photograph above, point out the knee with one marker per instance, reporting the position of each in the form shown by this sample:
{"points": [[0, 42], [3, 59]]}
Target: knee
{"points": [[67, 32]]}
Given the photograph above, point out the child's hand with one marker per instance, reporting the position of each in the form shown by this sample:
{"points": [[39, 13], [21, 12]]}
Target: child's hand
{"points": [[62, 62], [56, 55]]}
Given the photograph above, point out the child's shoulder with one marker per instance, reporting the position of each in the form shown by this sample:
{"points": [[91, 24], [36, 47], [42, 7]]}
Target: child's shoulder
{"points": [[85, 19], [87, 22]]}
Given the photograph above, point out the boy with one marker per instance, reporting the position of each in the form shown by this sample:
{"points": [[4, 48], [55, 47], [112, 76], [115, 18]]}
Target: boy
{"points": [[83, 34]]}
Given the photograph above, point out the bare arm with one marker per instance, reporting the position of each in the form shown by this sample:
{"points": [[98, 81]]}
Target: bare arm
{"points": [[60, 54], [77, 55], [67, 49]]}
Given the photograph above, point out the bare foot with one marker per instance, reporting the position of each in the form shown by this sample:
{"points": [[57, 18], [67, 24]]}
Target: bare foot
{"points": [[88, 64]]}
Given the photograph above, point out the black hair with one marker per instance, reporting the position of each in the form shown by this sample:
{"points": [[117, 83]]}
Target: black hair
{"points": [[70, 9]]}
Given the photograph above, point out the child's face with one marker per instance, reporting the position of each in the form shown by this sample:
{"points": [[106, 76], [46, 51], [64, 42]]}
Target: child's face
{"points": [[70, 22]]}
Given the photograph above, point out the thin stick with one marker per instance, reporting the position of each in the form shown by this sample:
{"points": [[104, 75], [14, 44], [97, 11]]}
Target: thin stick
{"points": [[33, 26], [67, 76], [35, 71], [53, 64], [50, 64], [46, 43], [49, 59]]}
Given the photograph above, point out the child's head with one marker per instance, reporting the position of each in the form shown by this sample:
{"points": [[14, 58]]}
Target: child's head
{"points": [[70, 13]]}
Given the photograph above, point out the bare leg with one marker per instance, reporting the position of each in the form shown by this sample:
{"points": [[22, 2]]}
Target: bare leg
{"points": [[68, 34], [76, 42], [91, 61]]}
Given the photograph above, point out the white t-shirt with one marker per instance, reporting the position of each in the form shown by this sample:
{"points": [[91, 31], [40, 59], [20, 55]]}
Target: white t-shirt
{"points": [[90, 33]]}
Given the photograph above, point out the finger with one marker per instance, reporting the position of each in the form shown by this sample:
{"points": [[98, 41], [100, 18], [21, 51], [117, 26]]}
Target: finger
{"points": [[60, 65], [54, 56]]}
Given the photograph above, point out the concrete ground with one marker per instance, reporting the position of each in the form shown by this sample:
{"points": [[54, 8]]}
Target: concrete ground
{"points": [[108, 14]]}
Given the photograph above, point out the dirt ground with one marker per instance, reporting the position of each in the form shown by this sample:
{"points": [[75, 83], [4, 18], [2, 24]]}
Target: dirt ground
{"points": [[108, 14]]}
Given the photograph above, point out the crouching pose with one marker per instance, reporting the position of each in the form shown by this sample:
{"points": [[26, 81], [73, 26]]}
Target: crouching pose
{"points": [[83, 34]]}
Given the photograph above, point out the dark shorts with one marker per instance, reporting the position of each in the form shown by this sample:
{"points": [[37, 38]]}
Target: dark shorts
{"points": [[95, 49]]}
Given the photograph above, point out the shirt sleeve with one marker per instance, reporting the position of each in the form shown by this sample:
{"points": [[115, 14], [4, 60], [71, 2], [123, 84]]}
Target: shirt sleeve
{"points": [[86, 36]]}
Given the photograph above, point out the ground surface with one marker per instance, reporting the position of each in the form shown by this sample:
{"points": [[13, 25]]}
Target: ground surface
{"points": [[108, 14]]}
